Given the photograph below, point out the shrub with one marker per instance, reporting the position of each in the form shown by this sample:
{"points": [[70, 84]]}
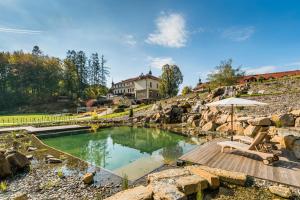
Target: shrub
{"points": [[131, 112], [278, 124], [60, 173], [125, 182], [3, 186]]}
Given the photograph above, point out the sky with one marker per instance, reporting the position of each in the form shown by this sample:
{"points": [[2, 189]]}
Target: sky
{"points": [[134, 36]]}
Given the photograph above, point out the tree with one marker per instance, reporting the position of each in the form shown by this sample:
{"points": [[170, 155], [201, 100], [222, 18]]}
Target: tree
{"points": [[171, 78], [104, 72], [186, 90], [36, 51], [225, 74]]}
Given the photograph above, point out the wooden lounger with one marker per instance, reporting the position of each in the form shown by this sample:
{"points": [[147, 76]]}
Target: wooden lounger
{"points": [[268, 158], [241, 138]]}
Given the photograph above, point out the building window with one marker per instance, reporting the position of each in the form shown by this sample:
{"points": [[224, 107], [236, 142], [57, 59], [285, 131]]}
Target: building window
{"points": [[150, 84], [157, 85]]}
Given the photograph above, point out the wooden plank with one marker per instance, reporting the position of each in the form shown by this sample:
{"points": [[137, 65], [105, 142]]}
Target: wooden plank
{"points": [[286, 172]]}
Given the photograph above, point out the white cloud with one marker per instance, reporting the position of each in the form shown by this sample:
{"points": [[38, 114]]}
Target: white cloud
{"points": [[260, 70], [238, 34], [19, 31], [158, 62], [129, 40], [170, 31]]}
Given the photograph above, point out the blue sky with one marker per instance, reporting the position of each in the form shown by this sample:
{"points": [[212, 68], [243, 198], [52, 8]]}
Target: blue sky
{"points": [[134, 35]]}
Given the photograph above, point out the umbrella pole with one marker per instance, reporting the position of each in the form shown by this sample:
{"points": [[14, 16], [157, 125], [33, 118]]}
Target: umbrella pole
{"points": [[231, 122]]}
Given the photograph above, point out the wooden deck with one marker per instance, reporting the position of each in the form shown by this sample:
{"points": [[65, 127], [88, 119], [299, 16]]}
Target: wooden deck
{"points": [[283, 171]]}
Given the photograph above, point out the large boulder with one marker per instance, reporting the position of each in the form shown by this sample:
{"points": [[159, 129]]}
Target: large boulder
{"points": [[192, 118], [5, 169], [88, 178], [224, 128], [170, 173], [174, 114], [260, 121], [281, 191], [208, 115], [17, 160], [296, 148], [297, 122], [296, 113], [251, 131], [221, 119], [136, 193], [166, 191], [196, 123], [156, 107], [209, 126], [284, 120], [191, 184]]}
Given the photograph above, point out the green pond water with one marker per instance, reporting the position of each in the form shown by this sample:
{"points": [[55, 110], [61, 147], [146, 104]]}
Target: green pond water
{"points": [[134, 151]]}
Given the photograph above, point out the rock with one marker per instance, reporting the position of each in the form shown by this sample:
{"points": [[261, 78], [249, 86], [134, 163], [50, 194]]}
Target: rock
{"points": [[238, 128], [212, 179], [31, 149], [166, 191], [296, 113], [244, 119], [157, 117], [224, 128], [218, 92], [192, 118], [284, 120], [296, 148], [297, 122], [191, 184], [29, 157], [196, 123], [53, 160], [136, 193], [281, 191], [208, 116], [5, 169], [156, 107], [170, 173], [251, 131], [20, 196], [260, 121], [210, 126], [288, 141], [49, 156], [227, 176], [88, 178], [221, 119], [17, 160]]}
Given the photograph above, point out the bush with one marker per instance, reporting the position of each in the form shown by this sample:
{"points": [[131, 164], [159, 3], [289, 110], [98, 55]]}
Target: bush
{"points": [[3, 186], [119, 110], [125, 182], [131, 112]]}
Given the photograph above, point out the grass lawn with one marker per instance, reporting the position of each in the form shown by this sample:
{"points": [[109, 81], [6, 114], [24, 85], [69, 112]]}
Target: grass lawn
{"points": [[32, 118], [19, 119], [121, 114]]}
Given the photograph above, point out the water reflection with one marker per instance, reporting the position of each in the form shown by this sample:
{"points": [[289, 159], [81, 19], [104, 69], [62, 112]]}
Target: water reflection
{"points": [[113, 148]]}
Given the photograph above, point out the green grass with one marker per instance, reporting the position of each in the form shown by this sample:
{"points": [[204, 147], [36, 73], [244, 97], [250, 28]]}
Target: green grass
{"points": [[31, 118], [121, 114]]}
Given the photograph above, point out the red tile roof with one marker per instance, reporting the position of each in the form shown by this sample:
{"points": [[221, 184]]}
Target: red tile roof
{"points": [[267, 76]]}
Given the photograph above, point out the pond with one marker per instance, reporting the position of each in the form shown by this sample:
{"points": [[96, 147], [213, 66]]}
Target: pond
{"points": [[124, 150]]}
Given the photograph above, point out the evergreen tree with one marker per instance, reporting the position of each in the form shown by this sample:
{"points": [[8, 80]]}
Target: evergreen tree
{"points": [[104, 72]]}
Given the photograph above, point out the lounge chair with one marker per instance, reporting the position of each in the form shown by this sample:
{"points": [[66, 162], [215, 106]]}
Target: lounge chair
{"points": [[244, 139], [252, 148]]}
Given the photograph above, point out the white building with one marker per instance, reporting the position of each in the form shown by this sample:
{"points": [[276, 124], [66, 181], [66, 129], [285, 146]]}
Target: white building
{"points": [[141, 87]]}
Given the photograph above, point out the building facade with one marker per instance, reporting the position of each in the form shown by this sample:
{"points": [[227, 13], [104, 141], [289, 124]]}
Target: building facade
{"points": [[141, 87]]}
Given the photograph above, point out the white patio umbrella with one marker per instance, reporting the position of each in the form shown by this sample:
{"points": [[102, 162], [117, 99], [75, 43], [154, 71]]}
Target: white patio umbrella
{"points": [[237, 102]]}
